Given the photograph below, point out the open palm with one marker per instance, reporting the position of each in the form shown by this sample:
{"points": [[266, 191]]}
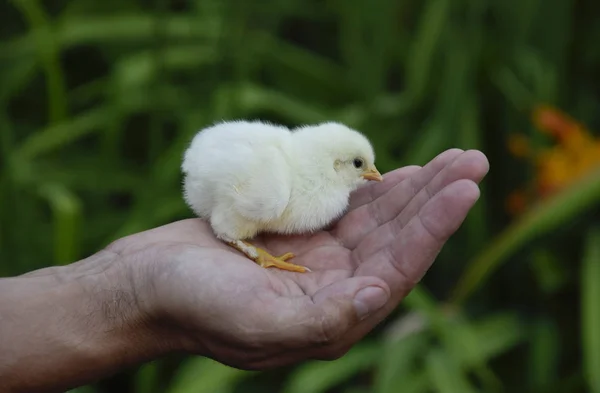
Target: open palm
{"points": [[362, 267]]}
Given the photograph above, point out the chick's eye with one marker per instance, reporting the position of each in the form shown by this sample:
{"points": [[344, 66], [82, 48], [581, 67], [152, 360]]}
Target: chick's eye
{"points": [[357, 163]]}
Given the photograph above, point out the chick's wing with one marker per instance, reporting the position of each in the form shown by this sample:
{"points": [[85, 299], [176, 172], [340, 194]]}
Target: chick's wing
{"points": [[262, 186]]}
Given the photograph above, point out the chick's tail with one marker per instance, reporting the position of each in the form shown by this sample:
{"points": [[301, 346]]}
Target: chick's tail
{"points": [[265, 259]]}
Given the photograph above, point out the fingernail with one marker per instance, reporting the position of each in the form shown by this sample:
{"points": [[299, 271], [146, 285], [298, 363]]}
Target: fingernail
{"points": [[368, 300]]}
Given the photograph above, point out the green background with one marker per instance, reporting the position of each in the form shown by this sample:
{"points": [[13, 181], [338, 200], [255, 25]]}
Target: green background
{"points": [[99, 99]]}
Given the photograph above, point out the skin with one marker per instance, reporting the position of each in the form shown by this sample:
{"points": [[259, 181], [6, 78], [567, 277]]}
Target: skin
{"points": [[177, 288]]}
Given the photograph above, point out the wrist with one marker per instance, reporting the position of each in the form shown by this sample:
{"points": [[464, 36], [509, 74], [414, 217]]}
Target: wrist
{"points": [[120, 291], [73, 324], [134, 306]]}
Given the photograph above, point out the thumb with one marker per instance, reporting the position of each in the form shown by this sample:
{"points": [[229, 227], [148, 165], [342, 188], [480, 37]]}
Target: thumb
{"points": [[367, 295], [333, 310]]}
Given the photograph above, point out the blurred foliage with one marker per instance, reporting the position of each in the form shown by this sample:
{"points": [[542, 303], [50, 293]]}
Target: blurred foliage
{"points": [[100, 98]]}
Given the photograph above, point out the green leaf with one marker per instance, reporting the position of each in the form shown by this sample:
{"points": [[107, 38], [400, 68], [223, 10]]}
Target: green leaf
{"points": [[445, 374], [513, 89], [113, 29], [66, 211], [16, 76], [147, 378], [476, 223], [590, 310], [319, 377], [471, 345], [427, 41], [61, 134], [549, 272], [496, 334], [324, 73], [397, 365], [203, 375], [48, 51], [141, 68], [544, 354]]}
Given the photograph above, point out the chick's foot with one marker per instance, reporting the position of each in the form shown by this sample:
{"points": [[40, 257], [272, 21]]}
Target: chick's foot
{"points": [[266, 260]]}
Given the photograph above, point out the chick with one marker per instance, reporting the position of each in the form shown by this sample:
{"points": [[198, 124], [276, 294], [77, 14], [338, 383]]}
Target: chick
{"points": [[251, 177]]}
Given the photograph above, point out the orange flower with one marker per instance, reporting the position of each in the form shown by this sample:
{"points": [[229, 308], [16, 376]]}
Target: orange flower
{"points": [[552, 121], [574, 154], [554, 171]]}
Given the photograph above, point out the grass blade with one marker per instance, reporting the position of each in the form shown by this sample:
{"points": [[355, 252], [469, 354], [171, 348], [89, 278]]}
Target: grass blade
{"points": [[66, 209], [48, 50], [590, 310], [147, 378], [64, 133], [397, 364], [203, 375], [445, 374], [319, 377], [543, 355], [425, 45]]}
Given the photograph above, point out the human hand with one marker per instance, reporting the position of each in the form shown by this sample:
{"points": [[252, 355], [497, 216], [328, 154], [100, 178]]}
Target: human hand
{"points": [[216, 302]]}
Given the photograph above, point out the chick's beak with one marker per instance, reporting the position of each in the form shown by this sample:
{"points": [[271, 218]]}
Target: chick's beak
{"points": [[372, 174]]}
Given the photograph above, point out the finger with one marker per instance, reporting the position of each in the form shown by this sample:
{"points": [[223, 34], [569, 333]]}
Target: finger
{"points": [[354, 335], [354, 226], [470, 165], [404, 262], [372, 191]]}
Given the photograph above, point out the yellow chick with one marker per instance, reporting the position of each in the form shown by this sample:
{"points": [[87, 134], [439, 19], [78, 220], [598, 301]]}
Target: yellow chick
{"points": [[250, 177]]}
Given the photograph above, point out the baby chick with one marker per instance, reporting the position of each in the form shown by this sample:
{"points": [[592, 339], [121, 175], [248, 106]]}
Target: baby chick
{"points": [[250, 177]]}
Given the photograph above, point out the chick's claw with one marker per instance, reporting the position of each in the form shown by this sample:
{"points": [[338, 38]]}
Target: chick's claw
{"points": [[266, 260]]}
